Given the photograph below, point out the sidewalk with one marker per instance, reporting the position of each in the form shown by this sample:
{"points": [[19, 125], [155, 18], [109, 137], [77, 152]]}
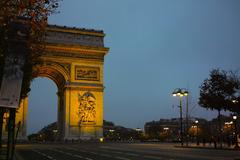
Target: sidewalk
{"points": [[3, 153], [208, 146]]}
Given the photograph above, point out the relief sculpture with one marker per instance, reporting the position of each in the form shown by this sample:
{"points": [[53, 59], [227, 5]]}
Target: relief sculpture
{"points": [[87, 73], [87, 108]]}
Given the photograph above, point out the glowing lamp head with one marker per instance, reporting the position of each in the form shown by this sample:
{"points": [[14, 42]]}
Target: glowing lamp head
{"points": [[234, 117], [179, 94], [185, 93], [101, 140]]}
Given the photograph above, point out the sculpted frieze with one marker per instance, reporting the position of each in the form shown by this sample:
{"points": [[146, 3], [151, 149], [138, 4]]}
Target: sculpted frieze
{"points": [[87, 73]]}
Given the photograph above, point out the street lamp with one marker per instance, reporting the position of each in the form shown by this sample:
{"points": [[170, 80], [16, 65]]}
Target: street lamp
{"points": [[197, 131], [236, 131], [235, 101], [180, 93]]}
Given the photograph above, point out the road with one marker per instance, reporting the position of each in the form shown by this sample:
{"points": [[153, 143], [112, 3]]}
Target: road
{"points": [[119, 151]]}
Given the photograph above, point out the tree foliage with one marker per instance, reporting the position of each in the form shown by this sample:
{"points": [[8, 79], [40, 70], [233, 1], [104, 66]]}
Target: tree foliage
{"points": [[217, 91], [35, 13]]}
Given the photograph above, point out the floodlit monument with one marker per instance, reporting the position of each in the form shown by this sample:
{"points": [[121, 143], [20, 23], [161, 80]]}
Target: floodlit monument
{"points": [[73, 59]]}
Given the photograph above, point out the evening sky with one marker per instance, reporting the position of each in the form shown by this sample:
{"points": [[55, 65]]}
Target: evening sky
{"points": [[155, 47]]}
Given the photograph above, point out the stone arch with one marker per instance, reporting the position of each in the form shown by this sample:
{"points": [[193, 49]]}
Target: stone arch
{"points": [[52, 71], [59, 75]]}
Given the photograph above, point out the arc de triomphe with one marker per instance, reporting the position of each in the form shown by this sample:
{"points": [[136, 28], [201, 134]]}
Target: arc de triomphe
{"points": [[74, 60]]}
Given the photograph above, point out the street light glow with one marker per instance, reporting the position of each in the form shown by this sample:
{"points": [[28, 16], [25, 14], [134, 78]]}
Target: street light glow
{"points": [[55, 131], [180, 92], [235, 101], [229, 123], [138, 129], [234, 117]]}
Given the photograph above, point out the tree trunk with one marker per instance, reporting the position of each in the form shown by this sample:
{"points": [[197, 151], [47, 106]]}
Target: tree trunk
{"points": [[1, 125], [11, 133], [219, 128]]}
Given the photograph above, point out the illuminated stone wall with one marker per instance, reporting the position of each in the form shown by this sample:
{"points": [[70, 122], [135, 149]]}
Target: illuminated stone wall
{"points": [[84, 101], [20, 121]]}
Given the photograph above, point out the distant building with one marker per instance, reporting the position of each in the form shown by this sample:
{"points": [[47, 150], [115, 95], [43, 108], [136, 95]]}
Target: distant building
{"points": [[164, 129], [120, 133], [169, 129], [198, 129]]}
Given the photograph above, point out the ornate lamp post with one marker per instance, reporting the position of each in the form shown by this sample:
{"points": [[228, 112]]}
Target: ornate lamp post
{"points": [[236, 131], [180, 93]]}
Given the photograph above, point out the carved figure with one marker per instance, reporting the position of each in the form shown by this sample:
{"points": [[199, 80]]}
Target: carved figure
{"points": [[86, 109]]}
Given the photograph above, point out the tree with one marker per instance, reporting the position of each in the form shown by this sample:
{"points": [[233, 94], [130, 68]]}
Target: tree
{"points": [[217, 91], [35, 14]]}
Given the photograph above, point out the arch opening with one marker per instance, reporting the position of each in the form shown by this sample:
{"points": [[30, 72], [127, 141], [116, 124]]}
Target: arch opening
{"points": [[47, 107], [42, 110]]}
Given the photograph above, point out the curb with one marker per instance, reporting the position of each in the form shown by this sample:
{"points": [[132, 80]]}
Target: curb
{"points": [[211, 148]]}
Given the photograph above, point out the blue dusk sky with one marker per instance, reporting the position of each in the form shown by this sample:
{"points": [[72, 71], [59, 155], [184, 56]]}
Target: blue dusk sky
{"points": [[155, 47]]}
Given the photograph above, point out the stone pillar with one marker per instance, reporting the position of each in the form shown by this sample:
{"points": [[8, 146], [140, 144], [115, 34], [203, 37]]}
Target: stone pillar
{"points": [[67, 104], [21, 119], [84, 112], [61, 115]]}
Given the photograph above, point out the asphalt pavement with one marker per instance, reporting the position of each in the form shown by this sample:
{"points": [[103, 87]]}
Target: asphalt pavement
{"points": [[119, 151]]}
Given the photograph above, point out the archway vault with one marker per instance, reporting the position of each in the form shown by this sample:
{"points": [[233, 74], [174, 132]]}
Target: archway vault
{"points": [[73, 59], [53, 71]]}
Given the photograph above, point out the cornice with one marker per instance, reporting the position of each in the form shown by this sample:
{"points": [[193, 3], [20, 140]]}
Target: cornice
{"points": [[55, 28], [75, 48], [77, 84], [84, 89]]}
